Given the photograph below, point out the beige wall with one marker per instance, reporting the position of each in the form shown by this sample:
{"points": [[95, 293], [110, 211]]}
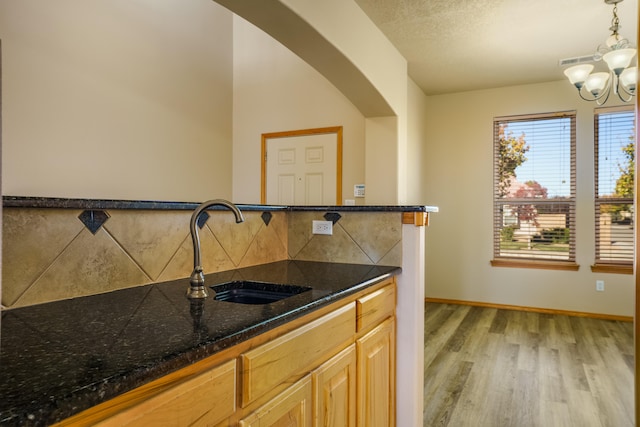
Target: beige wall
{"points": [[458, 171], [382, 157], [359, 56], [124, 99], [352, 32], [345, 25], [416, 146], [274, 90], [154, 110]]}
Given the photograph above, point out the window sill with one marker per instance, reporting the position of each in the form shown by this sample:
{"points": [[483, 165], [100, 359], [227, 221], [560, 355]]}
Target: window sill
{"points": [[612, 268], [544, 265]]}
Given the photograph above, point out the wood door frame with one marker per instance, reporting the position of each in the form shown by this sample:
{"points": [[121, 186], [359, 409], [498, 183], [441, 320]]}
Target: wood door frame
{"points": [[636, 274], [301, 132]]}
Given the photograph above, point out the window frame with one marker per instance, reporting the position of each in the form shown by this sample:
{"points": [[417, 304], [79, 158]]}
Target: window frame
{"points": [[499, 259], [603, 265]]}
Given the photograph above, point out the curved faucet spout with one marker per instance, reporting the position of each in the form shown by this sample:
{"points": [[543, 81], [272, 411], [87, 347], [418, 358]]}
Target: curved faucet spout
{"points": [[196, 288]]}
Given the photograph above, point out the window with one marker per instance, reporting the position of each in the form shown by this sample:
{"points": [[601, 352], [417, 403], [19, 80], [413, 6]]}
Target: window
{"points": [[614, 174], [534, 191]]}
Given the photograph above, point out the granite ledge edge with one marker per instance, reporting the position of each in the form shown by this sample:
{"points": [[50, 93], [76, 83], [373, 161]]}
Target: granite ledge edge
{"points": [[65, 203]]}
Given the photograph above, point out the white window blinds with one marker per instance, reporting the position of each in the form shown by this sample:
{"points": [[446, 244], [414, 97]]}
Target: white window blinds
{"points": [[534, 187], [614, 185]]}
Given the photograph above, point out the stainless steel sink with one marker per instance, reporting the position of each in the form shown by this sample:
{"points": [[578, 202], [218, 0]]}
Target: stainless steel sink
{"points": [[250, 292]]}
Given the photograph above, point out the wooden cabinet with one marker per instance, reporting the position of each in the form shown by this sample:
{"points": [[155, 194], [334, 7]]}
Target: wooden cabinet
{"points": [[376, 376], [295, 353], [376, 358], [334, 391], [350, 353], [373, 308], [290, 408]]}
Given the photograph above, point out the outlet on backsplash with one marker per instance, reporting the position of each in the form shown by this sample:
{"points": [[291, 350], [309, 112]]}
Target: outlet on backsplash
{"points": [[322, 227]]}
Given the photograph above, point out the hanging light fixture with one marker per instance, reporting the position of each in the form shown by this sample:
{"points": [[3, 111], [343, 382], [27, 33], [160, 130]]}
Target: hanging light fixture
{"points": [[621, 78]]}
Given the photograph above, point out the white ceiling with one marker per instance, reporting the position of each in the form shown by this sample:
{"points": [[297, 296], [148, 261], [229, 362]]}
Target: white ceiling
{"points": [[460, 45]]}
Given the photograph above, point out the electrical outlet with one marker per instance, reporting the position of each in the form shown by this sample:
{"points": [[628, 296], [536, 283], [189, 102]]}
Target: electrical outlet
{"points": [[600, 285], [322, 227]]}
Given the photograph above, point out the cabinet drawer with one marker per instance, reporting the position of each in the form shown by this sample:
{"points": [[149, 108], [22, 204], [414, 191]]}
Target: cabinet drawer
{"points": [[269, 365], [375, 307], [205, 399]]}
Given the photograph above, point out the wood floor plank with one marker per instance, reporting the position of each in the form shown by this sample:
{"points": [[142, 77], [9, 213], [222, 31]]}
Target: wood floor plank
{"points": [[583, 409], [552, 388], [464, 329], [477, 394], [492, 367], [554, 414], [438, 413], [612, 412], [499, 323], [439, 327], [526, 390], [572, 368]]}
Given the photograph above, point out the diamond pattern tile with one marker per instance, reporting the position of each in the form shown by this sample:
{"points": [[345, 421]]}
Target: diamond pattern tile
{"points": [[266, 217], [136, 247], [93, 219], [91, 264], [24, 256], [375, 234], [150, 237]]}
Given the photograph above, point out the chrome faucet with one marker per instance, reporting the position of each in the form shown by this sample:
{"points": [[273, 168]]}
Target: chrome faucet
{"points": [[196, 288]]}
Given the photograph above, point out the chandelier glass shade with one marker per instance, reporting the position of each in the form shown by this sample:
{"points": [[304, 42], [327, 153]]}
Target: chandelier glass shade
{"points": [[622, 76]]}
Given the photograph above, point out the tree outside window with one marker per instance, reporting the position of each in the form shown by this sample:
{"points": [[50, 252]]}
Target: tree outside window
{"points": [[614, 183], [534, 187]]}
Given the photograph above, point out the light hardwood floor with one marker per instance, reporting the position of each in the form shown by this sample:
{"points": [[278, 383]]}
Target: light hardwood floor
{"points": [[487, 367]]}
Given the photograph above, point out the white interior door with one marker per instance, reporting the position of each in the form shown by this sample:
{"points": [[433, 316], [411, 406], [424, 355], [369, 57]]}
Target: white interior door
{"points": [[301, 170]]}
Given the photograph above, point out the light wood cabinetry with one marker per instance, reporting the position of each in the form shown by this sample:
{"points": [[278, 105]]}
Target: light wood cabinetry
{"points": [[376, 376], [203, 399], [334, 391], [376, 358], [271, 364], [373, 308], [290, 408], [334, 367]]}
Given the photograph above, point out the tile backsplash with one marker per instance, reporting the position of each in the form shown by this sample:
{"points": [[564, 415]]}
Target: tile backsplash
{"points": [[50, 254]]}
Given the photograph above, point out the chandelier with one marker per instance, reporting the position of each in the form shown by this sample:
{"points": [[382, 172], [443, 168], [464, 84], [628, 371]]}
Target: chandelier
{"points": [[621, 78]]}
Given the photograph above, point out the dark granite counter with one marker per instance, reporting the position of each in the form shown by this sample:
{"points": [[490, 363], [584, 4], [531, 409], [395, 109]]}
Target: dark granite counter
{"points": [[60, 203], [60, 358]]}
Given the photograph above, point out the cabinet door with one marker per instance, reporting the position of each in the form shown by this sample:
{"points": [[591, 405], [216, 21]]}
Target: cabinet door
{"points": [[291, 408], [334, 388], [376, 376]]}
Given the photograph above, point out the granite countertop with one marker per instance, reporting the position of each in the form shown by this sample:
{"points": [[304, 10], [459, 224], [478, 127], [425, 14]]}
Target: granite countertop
{"points": [[60, 358], [60, 203]]}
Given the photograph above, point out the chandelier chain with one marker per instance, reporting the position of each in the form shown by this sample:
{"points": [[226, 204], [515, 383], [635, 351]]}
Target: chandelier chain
{"points": [[615, 21]]}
